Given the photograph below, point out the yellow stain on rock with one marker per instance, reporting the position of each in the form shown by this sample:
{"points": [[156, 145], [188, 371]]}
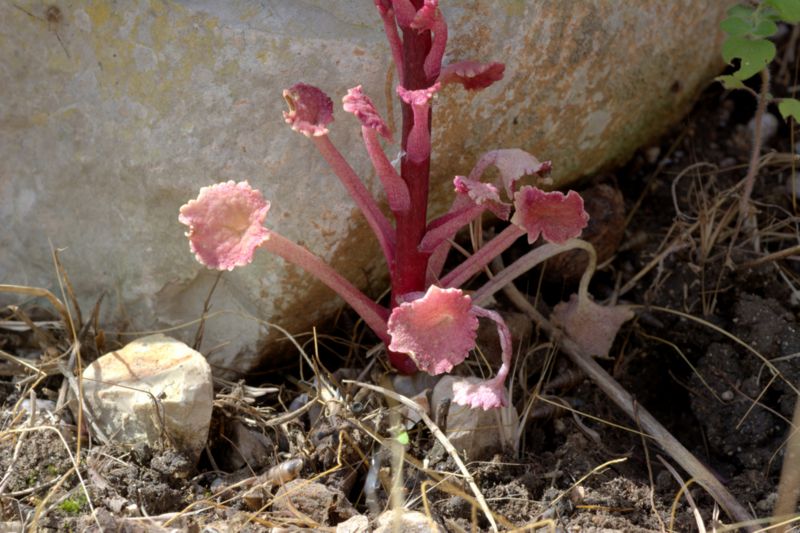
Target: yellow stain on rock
{"points": [[99, 12], [181, 42], [39, 119]]}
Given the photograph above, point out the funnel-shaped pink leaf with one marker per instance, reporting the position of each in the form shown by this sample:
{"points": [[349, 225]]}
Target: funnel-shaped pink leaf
{"points": [[418, 145], [480, 394], [226, 224], [425, 18], [491, 393], [437, 331], [310, 110], [472, 74], [358, 103], [512, 164], [592, 326], [557, 217], [405, 12]]}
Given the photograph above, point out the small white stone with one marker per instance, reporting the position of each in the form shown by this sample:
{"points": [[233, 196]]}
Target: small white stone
{"points": [[727, 395], [406, 521], [769, 126], [156, 390], [354, 524]]}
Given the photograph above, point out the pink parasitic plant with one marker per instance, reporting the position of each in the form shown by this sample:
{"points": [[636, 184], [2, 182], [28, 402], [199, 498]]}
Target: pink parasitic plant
{"points": [[430, 323]]}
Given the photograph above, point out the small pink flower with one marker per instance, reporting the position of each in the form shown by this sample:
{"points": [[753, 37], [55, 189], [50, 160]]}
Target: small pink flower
{"points": [[358, 103], [472, 74], [555, 216], [479, 394], [225, 224], [482, 194], [437, 330], [310, 110]]}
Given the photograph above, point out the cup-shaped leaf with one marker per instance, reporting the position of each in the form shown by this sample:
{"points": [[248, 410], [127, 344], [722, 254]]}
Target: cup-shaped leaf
{"points": [[226, 224], [437, 330], [310, 110], [554, 215]]}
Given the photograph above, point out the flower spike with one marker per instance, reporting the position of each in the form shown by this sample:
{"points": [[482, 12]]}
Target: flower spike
{"points": [[226, 224], [555, 216], [437, 331], [310, 110]]}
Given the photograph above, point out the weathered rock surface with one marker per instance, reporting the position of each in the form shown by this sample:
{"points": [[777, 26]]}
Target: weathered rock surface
{"points": [[155, 390], [112, 115]]}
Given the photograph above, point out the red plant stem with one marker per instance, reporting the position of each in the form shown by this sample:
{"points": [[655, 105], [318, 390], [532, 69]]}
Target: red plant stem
{"points": [[364, 200], [373, 314], [474, 263], [409, 266]]}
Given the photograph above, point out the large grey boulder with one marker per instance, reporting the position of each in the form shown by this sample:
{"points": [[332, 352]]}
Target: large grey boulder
{"points": [[113, 114]]}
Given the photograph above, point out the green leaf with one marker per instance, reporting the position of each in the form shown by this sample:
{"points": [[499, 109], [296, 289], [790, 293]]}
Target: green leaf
{"points": [[789, 10], [735, 27], [754, 55], [730, 83], [765, 28], [403, 438], [790, 107]]}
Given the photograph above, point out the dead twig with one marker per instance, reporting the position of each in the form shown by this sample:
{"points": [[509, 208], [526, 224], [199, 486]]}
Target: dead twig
{"points": [[789, 484]]}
